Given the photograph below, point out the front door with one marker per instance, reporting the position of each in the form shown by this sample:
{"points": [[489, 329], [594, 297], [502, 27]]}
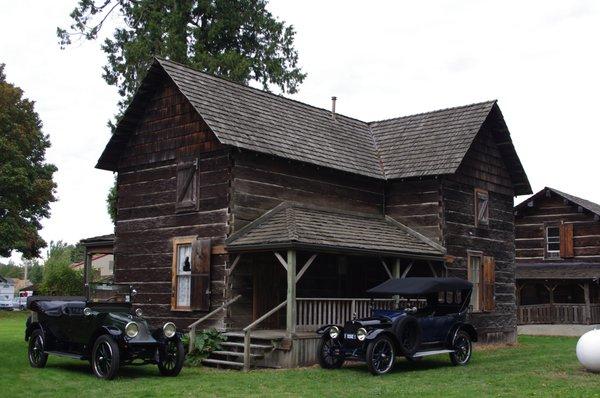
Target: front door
{"points": [[269, 290]]}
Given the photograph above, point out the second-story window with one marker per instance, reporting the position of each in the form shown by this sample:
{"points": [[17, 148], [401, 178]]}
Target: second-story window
{"points": [[552, 241], [482, 208]]}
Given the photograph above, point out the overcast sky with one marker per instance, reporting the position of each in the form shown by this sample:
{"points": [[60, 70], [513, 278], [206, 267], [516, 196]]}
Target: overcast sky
{"points": [[382, 59]]}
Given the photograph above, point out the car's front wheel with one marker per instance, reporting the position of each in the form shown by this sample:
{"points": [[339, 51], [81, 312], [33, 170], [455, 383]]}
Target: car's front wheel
{"points": [[463, 348], [36, 353], [171, 357], [330, 353], [381, 355], [105, 358]]}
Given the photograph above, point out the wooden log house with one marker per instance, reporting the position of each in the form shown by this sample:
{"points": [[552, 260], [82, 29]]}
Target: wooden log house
{"points": [[266, 217], [558, 259]]}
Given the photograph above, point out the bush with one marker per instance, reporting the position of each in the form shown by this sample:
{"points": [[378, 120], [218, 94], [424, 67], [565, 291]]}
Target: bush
{"points": [[206, 342], [59, 278]]}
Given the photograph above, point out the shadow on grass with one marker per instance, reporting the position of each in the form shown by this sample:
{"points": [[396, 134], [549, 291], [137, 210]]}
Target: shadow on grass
{"points": [[402, 366], [125, 372]]}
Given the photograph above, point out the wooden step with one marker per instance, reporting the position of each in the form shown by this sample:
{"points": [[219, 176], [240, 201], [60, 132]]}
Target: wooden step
{"points": [[255, 336], [236, 354], [255, 346], [221, 362]]}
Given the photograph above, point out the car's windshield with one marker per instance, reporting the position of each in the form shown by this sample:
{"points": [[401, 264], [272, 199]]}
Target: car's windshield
{"points": [[110, 293]]}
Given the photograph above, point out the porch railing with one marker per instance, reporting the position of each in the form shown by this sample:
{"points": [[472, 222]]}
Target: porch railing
{"points": [[558, 313], [312, 313]]}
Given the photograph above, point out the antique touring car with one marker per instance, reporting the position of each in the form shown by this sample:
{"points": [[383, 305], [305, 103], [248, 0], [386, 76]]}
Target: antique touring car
{"points": [[102, 329], [432, 322]]}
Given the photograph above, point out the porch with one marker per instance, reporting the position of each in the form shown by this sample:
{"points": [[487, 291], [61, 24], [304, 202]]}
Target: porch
{"points": [[283, 289]]}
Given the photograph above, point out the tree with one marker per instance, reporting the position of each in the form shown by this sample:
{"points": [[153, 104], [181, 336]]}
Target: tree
{"points": [[236, 39], [35, 271], [59, 278], [11, 270], [26, 185]]}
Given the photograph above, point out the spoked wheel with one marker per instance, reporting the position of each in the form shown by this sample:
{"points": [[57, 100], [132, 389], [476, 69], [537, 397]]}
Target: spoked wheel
{"points": [[330, 353], [462, 347], [105, 358], [380, 355], [36, 354], [171, 358]]}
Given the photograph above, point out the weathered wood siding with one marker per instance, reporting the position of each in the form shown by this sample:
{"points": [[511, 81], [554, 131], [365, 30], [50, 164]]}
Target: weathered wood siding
{"points": [[551, 208], [483, 168], [147, 219], [259, 183], [416, 204]]}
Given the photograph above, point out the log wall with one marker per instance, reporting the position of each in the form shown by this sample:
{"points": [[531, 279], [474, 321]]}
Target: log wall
{"points": [[147, 219], [483, 168], [416, 204]]}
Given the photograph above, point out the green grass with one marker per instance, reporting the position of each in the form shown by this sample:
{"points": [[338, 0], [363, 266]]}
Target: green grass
{"points": [[538, 366]]}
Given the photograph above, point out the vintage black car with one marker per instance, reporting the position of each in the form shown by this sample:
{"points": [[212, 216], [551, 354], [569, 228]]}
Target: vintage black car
{"points": [[103, 329], [432, 322]]}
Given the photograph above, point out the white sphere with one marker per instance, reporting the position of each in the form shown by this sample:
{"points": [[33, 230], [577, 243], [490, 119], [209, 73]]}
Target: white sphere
{"points": [[588, 350]]}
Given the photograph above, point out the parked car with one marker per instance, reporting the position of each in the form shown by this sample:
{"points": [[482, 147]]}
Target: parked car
{"points": [[102, 329], [20, 301], [437, 326]]}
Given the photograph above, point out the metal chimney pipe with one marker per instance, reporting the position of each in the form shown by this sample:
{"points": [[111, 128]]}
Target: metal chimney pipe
{"points": [[333, 99]]}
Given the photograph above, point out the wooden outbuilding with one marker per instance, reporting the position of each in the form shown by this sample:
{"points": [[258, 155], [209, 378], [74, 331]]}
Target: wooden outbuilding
{"points": [[266, 217], [558, 259]]}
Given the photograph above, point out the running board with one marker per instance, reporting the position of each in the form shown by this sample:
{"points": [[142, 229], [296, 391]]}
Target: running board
{"points": [[428, 353], [64, 354]]}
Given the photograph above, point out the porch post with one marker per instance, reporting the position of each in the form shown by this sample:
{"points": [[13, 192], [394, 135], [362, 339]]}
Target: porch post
{"points": [[587, 309], [291, 293], [396, 268]]}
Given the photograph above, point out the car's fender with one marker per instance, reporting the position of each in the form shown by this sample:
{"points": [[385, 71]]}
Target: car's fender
{"points": [[467, 327], [30, 327], [373, 334], [325, 329], [111, 331]]}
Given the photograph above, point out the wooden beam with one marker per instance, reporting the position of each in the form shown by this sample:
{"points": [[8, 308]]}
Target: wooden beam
{"points": [[305, 267], [234, 264], [587, 313], [291, 293], [407, 269], [396, 268], [281, 260], [386, 268]]}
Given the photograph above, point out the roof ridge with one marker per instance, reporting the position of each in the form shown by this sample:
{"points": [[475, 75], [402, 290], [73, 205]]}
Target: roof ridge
{"points": [[433, 111], [258, 90]]}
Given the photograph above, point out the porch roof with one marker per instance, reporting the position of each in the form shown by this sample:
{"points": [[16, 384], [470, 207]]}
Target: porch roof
{"points": [[570, 270], [291, 225]]}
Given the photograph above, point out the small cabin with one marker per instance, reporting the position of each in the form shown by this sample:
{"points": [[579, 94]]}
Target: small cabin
{"points": [[558, 259], [247, 211]]}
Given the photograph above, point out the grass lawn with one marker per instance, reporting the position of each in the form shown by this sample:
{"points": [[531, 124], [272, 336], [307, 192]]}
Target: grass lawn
{"points": [[538, 366]]}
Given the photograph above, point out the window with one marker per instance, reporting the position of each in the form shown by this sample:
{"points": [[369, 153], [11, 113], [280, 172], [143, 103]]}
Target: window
{"points": [[475, 261], [481, 207], [182, 258], [191, 274], [552, 241]]}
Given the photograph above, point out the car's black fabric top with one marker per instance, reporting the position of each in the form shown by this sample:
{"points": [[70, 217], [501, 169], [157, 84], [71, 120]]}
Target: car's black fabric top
{"points": [[53, 306], [420, 285]]}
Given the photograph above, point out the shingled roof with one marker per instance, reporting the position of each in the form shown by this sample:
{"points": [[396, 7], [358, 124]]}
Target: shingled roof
{"points": [[299, 226], [563, 270], [584, 203], [427, 144]]}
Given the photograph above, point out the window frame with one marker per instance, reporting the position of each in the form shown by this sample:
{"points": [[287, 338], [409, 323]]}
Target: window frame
{"points": [[547, 252], [477, 192], [471, 254], [179, 241]]}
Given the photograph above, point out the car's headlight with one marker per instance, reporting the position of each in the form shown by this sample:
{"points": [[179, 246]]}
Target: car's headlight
{"points": [[138, 312], [132, 329], [334, 332], [361, 334], [169, 330]]}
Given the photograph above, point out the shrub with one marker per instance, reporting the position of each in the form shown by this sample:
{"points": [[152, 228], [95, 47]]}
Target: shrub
{"points": [[206, 342], [59, 278]]}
